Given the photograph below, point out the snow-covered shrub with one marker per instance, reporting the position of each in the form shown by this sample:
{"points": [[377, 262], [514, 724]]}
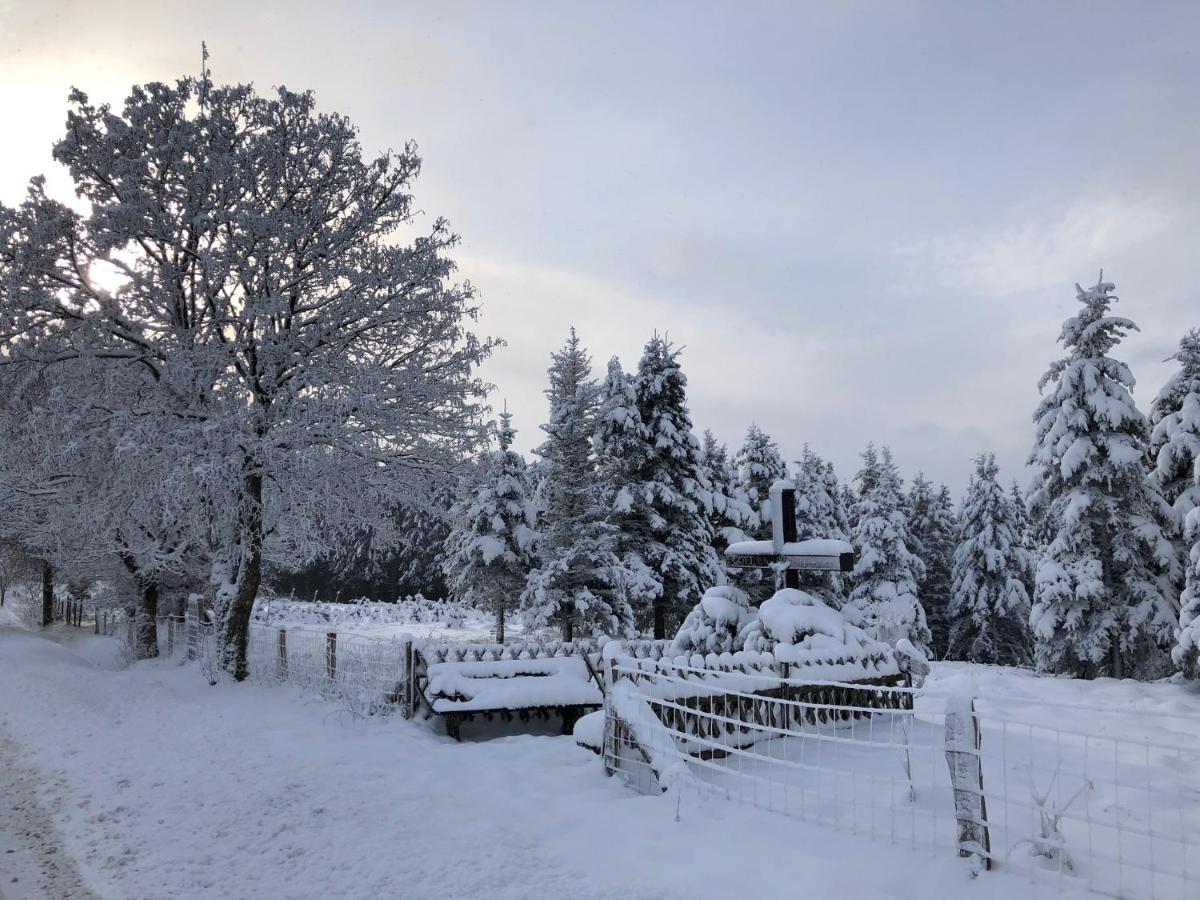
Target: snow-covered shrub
{"points": [[715, 624], [797, 627]]}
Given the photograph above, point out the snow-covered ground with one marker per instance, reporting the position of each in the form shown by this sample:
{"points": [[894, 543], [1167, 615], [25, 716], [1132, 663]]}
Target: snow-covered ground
{"points": [[144, 781]]}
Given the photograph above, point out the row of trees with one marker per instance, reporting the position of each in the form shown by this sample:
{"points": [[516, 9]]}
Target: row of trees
{"points": [[245, 348], [1094, 570]]}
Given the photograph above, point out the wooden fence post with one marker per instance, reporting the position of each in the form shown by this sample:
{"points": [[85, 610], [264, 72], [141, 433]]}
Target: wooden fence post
{"points": [[282, 663], [409, 679], [963, 744], [331, 655]]}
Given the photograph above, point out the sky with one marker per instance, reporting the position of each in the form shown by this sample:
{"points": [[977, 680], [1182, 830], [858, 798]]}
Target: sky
{"points": [[860, 221]]}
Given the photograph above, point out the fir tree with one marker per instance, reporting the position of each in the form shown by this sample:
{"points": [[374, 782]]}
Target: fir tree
{"points": [[989, 610], [731, 512], [1028, 537], [620, 446], [488, 552], [660, 496], [1175, 447], [759, 466], [579, 581], [1101, 602], [819, 514], [884, 598], [934, 534]]}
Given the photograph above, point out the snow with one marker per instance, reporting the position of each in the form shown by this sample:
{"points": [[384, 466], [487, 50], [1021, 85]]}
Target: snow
{"points": [[589, 730], [811, 547], [791, 614], [159, 786], [511, 684]]}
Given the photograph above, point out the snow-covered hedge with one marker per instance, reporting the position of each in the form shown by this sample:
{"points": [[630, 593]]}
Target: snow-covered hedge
{"points": [[791, 627], [415, 609]]}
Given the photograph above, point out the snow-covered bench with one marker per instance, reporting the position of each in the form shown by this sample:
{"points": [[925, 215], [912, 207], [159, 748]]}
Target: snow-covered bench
{"points": [[507, 687]]}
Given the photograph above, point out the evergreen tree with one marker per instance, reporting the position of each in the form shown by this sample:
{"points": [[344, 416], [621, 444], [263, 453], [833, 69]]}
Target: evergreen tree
{"points": [[819, 514], [731, 512], [1101, 602], [1175, 447], [1028, 536], [488, 552], [579, 581], [759, 466], [884, 597], [989, 609], [934, 534], [620, 446], [660, 499]]}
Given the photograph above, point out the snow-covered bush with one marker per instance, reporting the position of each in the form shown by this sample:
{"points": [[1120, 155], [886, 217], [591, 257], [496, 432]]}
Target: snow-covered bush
{"points": [[410, 610], [715, 624], [797, 627]]}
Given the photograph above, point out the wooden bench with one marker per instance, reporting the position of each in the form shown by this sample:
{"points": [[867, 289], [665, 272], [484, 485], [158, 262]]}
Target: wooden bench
{"points": [[511, 688]]}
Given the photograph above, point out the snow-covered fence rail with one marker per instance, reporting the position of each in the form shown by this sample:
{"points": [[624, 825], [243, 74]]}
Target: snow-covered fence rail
{"points": [[1117, 816]]}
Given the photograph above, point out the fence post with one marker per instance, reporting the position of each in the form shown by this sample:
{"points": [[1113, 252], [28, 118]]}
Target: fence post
{"points": [[331, 655], [963, 743], [408, 678], [282, 663], [170, 635]]}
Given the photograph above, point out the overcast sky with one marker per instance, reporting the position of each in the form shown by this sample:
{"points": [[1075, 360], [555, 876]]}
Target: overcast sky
{"points": [[863, 222]]}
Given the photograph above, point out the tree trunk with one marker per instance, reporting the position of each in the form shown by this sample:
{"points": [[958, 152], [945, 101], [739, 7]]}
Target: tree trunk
{"points": [[47, 593], [500, 625], [145, 617], [660, 621], [235, 627], [568, 630]]}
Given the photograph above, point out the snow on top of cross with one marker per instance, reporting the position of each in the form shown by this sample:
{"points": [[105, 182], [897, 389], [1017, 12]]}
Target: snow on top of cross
{"points": [[811, 547]]}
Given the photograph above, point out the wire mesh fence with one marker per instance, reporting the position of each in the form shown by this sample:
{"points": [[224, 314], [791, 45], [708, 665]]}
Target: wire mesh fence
{"points": [[367, 675], [1117, 816]]}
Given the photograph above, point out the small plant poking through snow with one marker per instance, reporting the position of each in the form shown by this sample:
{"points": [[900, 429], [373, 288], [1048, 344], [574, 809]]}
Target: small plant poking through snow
{"points": [[1050, 841]]}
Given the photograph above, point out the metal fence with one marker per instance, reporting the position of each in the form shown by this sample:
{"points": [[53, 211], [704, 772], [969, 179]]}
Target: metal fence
{"points": [[367, 675], [1118, 816]]}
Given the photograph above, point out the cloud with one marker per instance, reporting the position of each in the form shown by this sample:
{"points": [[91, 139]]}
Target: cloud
{"points": [[1035, 248]]}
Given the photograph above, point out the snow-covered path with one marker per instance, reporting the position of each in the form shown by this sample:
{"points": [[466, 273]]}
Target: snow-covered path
{"points": [[32, 859], [162, 786]]}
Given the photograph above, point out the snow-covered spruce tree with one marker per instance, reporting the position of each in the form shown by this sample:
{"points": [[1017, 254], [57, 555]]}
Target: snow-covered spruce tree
{"points": [[1101, 604], [1175, 446], [731, 512], [579, 582], [989, 609], [673, 484], [716, 624], [759, 466], [620, 447], [656, 487], [1024, 528], [884, 598], [934, 533], [819, 514], [327, 367], [487, 557]]}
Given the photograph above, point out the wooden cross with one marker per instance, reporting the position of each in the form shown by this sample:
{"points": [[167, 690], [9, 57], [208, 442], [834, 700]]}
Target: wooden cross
{"points": [[784, 551]]}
